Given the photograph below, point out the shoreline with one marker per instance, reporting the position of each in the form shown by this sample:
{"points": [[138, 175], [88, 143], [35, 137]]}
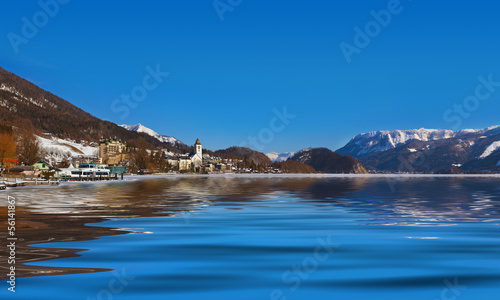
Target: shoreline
{"points": [[163, 175], [131, 178]]}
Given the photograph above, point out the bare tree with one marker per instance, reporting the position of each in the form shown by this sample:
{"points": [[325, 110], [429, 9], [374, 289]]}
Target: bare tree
{"points": [[139, 157], [28, 149]]}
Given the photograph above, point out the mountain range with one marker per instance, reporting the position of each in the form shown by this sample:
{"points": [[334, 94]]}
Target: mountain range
{"points": [[24, 105], [427, 150]]}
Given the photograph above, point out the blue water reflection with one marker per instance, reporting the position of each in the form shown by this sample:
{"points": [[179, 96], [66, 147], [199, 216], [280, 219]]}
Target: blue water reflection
{"points": [[277, 238]]}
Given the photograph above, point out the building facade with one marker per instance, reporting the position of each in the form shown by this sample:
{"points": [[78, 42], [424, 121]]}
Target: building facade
{"points": [[111, 151]]}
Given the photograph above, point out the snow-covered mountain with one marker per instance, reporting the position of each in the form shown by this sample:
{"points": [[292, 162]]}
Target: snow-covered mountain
{"points": [[162, 138], [427, 150], [378, 141], [279, 157]]}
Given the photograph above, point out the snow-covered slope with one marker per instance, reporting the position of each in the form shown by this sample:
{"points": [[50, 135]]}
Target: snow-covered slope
{"points": [[490, 149], [378, 141], [279, 157], [144, 129], [55, 147]]}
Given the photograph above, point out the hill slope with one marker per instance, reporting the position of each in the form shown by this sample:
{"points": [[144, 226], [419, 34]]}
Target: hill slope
{"points": [[21, 101], [326, 161], [241, 152], [292, 166]]}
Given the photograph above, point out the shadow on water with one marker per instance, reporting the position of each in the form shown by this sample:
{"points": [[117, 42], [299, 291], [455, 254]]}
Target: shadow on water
{"points": [[60, 214]]}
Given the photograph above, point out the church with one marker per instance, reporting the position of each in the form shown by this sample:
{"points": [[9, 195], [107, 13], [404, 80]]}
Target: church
{"points": [[194, 161], [197, 157]]}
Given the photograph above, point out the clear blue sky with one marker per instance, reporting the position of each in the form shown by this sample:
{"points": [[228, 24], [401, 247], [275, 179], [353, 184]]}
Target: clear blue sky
{"points": [[226, 77]]}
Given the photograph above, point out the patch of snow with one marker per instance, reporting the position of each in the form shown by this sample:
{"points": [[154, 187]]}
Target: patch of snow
{"points": [[490, 149], [456, 165], [56, 147], [412, 150]]}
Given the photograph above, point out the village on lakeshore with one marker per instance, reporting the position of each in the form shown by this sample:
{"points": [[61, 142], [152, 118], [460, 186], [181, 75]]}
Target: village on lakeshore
{"points": [[112, 158]]}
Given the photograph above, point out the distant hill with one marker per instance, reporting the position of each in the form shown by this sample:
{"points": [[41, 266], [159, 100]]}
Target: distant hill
{"points": [[21, 101], [242, 152], [326, 161], [428, 150], [291, 166]]}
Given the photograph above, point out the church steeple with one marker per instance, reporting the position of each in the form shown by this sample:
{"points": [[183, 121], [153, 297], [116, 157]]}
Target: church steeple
{"points": [[197, 158], [198, 147]]}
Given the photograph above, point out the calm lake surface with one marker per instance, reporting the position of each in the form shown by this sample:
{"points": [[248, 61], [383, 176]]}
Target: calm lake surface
{"points": [[258, 238]]}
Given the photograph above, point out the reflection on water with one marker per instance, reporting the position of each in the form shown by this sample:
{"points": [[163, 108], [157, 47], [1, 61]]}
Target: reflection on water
{"points": [[410, 233]]}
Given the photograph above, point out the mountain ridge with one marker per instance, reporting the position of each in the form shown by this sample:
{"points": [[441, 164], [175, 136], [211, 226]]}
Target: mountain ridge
{"points": [[427, 150], [376, 141]]}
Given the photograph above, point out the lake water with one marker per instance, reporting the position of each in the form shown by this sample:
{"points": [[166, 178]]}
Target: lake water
{"points": [[259, 238]]}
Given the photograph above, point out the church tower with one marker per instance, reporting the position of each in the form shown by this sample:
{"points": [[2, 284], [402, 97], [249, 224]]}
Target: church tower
{"points": [[197, 157], [199, 149]]}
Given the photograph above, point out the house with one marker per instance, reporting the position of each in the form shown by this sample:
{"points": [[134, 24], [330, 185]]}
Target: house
{"points": [[185, 163], [42, 166], [173, 161], [25, 171]]}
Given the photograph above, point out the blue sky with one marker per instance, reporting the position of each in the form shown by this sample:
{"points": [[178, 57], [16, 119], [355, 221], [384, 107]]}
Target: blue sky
{"points": [[230, 70]]}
